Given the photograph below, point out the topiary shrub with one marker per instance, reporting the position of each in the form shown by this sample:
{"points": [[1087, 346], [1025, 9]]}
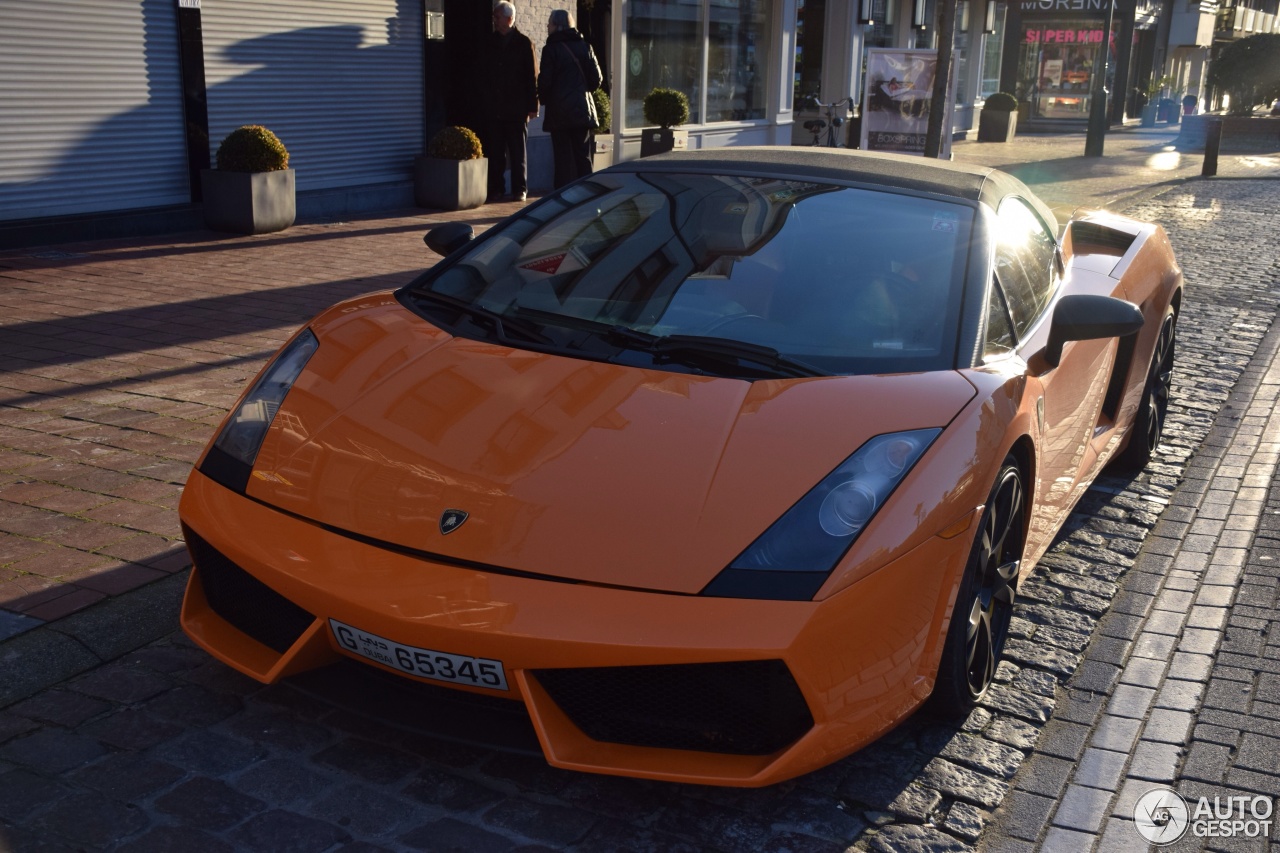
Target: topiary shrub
{"points": [[666, 108], [455, 143], [252, 148], [604, 111], [1001, 102]]}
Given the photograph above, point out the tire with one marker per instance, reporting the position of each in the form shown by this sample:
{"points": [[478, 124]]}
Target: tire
{"points": [[984, 605], [1148, 425]]}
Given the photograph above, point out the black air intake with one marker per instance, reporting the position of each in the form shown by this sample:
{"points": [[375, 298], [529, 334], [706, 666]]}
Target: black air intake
{"points": [[739, 708], [244, 601]]}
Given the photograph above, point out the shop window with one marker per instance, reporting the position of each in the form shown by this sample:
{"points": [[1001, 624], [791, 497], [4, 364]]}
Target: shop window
{"points": [[1056, 62], [960, 55], [993, 54], [715, 51], [738, 38], [811, 16], [924, 22], [880, 32]]}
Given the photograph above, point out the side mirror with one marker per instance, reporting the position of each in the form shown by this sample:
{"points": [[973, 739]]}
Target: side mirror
{"points": [[1087, 318], [448, 238]]}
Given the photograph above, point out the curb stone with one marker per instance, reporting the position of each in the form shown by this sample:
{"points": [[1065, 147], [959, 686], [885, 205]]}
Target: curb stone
{"points": [[51, 653]]}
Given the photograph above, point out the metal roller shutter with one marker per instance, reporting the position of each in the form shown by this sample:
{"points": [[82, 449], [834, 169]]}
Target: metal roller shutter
{"points": [[340, 82], [90, 107]]}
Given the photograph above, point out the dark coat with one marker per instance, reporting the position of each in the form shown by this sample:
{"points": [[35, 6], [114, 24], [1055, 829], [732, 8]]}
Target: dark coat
{"points": [[570, 73], [508, 77]]}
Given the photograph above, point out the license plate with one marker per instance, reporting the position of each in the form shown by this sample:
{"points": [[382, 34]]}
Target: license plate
{"points": [[424, 663]]}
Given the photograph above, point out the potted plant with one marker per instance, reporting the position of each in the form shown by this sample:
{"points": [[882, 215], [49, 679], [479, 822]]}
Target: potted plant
{"points": [[999, 118], [454, 174], [1172, 106], [1155, 109], [667, 108], [252, 190], [602, 133]]}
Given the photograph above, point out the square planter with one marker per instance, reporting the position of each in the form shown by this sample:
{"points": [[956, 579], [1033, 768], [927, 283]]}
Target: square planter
{"points": [[248, 202], [601, 152], [996, 126], [660, 140], [450, 184]]}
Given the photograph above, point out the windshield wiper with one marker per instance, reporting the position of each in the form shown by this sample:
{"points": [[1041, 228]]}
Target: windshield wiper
{"points": [[502, 326], [728, 349], [611, 332], [682, 348]]}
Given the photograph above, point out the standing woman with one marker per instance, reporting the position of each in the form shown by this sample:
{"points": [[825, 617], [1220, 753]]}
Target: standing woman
{"points": [[569, 74]]}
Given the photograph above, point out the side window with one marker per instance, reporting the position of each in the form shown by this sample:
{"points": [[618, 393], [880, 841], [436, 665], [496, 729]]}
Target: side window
{"points": [[999, 338], [1025, 252]]}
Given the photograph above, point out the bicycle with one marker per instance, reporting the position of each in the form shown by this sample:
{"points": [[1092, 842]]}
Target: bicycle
{"points": [[830, 124]]}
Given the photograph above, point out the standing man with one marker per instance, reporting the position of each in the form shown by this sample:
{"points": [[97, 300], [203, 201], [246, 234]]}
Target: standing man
{"points": [[570, 73], [508, 85]]}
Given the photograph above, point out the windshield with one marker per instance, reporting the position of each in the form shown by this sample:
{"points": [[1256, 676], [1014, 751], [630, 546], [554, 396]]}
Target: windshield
{"points": [[830, 279]]}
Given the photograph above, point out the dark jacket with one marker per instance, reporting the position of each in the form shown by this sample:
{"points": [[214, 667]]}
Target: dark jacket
{"points": [[508, 77], [569, 75]]}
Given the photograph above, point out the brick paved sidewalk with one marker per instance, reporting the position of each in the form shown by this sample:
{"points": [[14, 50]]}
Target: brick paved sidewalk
{"points": [[117, 360]]}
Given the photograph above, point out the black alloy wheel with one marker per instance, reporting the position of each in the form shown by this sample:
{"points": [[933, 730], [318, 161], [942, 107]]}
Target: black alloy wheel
{"points": [[984, 605], [1148, 425]]}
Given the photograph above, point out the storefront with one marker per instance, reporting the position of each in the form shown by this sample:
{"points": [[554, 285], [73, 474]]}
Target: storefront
{"points": [[1057, 60], [1054, 48], [725, 55], [356, 88], [831, 57]]}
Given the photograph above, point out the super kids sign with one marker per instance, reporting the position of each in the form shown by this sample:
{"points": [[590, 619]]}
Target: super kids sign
{"points": [[1066, 37]]}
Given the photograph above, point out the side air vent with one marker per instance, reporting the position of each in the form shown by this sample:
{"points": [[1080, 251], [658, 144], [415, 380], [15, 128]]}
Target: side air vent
{"points": [[244, 601], [1092, 238]]}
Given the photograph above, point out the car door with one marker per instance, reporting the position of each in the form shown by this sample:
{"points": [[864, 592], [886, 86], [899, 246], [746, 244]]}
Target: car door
{"points": [[1068, 397]]}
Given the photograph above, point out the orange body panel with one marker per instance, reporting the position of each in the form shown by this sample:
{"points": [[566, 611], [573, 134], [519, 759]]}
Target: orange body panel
{"points": [[372, 441]]}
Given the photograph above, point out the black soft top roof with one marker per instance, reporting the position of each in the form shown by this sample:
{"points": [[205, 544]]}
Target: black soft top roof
{"points": [[940, 177]]}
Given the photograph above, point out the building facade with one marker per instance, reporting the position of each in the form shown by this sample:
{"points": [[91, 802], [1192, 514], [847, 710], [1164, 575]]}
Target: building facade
{"points": [[108, 107]]}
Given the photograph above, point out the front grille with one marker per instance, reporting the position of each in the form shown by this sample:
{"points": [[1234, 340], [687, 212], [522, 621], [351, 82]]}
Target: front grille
{"points": [[740, 707], [244, 601]]}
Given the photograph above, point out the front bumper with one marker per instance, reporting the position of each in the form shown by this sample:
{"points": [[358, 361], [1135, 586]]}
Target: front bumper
{"points": [[860, 660]]}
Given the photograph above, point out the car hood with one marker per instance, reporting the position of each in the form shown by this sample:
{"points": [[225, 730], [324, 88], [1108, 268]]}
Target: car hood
{"points": [[577, 469]]}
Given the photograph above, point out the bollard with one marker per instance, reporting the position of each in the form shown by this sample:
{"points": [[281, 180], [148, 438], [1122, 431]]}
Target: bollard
{"points": [[1212, 142]]}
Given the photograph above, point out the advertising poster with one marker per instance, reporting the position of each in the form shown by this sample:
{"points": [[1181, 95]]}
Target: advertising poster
{"points": [[898, 90]]}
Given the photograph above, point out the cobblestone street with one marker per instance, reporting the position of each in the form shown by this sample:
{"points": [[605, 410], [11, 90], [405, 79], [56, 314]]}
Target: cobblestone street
{"points": [[1145, 650]]}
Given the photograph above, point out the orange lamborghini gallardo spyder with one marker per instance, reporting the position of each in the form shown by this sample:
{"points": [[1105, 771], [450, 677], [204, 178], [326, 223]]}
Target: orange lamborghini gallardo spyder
{"points": [[721, 463]]}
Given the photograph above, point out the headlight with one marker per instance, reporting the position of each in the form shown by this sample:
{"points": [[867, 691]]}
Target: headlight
{"points": [[231, 458], [792, 559]]}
